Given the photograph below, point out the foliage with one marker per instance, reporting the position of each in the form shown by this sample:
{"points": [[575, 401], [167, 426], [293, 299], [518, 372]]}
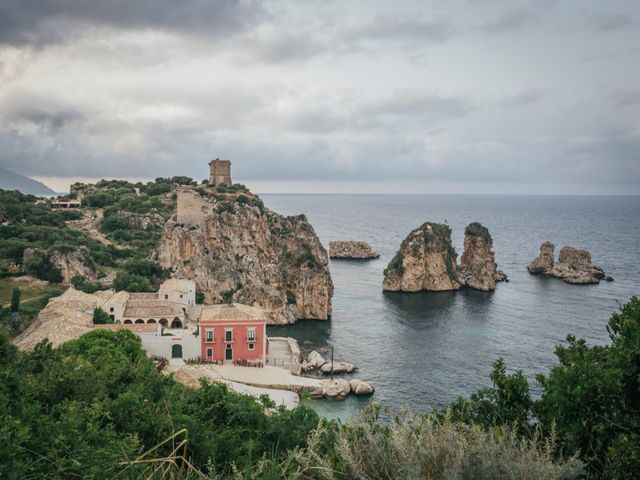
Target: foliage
{"points": [[132, 282], [80, 282], [199, 298], [476, 229], [100, 317], [39, 265], [306, 257], [79, 410], [15, 300], [417, 447], [591, 399], [291, 298], [396, 264]]}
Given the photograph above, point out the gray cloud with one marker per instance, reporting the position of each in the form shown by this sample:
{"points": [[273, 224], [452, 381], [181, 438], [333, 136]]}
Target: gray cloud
{"points": [[526, 97], [394, 27], [518, 17], [625, 98], [606, 22], [40, 22]]}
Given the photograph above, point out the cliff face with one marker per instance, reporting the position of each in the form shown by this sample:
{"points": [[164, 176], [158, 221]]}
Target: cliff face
{"points": [[426, 261], [478, 268], [237, 250]]}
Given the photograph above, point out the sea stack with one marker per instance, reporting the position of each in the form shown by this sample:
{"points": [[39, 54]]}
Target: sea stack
{"points": [[426, 261], [478, 268], [351, 250], [573, 266]]}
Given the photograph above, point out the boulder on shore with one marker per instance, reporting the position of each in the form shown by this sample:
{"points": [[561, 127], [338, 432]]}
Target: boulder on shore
{"points": [[335, 389], [351, 249], [313, 362], [426, 260], [338, 367], [478, 268], [358, 387], [573, 266]]}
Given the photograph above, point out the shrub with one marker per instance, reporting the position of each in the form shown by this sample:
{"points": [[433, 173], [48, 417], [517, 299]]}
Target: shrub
{"points": [[132, 282], [100, 317], [199, 298], [80, 282], [39, 266], [478, 230], [15, 299]]}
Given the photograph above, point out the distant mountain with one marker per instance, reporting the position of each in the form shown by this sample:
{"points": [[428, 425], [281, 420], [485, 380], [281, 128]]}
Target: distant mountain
{"points": [[14, 181]]}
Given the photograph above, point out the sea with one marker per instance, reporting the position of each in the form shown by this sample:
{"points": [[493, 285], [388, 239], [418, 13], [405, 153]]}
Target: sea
{"points": [[423, 350]]}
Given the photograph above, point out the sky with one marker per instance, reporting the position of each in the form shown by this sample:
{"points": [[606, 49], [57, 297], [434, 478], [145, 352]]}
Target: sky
{"points": [[463, 96]]}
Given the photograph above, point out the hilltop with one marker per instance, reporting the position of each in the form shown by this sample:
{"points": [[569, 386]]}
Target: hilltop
{"points": [[14, 181]]}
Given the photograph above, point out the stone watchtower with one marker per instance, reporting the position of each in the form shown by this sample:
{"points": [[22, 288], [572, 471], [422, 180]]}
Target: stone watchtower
{"points": [[220, 172]]}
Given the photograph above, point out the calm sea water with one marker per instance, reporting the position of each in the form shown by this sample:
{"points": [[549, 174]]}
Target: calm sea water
{"points": [[423, 350]]}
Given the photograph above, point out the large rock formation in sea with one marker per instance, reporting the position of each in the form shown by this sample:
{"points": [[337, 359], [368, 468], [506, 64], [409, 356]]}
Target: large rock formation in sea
{"points": [[573, 266], [351, 249], [426, 261], [478, 268], [237, 250]]}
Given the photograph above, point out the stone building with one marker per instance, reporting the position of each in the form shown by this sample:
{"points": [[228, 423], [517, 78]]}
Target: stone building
{"points": [[178, 290], [167, 307], [220, 172]]}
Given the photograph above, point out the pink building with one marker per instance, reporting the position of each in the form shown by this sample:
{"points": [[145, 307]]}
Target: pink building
{"points": [[233, 333]]}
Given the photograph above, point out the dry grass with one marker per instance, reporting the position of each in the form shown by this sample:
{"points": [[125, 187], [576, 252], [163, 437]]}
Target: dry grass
{"points": [[417, 447]]}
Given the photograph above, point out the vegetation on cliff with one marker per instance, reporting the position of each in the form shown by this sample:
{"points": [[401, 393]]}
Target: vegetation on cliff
{"points": [[476, 229]]}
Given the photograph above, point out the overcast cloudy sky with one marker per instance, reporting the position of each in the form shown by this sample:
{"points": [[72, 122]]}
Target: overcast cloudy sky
{"points": [[464, 96]]}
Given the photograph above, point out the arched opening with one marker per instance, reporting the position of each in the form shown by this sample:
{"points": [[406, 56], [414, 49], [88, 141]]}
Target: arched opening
{"points": [[176, 323], [151, 320], [176, 351], [128, 322], [163, 322], [139, 320]]}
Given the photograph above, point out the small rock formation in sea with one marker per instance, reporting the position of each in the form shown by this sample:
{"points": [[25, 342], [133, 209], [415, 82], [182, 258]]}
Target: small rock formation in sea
{"points": [[335, 389], [351, 249], [573, 266], [426, 261], [478, 268], [543, 263], [236, 250]]}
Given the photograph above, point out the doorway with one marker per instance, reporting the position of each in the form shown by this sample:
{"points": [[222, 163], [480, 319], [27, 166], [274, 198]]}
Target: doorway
{"points": [[176, 351]]}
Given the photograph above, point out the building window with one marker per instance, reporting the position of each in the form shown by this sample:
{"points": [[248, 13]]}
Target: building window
{"points": [[180, 296], [251, 346], [228, 336], [251, 334], [166, 297], [209, 353], [209, 336], [111, 309]]}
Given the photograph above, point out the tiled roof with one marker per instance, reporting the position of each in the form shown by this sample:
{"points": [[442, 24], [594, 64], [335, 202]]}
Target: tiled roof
{"points": [[234, 311], [118, 298], [151, 308]]}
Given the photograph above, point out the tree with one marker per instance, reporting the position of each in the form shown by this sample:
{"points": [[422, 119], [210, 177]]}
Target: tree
{"points": [[15, 299], [199, 298], [100, 317]]}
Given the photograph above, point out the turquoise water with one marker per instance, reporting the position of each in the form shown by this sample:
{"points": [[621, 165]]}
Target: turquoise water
{"points": [[424, 350]]}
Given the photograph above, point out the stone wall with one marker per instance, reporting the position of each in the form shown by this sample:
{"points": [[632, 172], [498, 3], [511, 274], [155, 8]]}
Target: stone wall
{"points": [[192, 209]]}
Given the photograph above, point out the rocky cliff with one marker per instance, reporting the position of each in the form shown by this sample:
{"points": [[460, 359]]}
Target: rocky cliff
{"points": [[478, 268], [573, 266], [68, 262], [351, 249], [237, 250], [426, 261]]}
